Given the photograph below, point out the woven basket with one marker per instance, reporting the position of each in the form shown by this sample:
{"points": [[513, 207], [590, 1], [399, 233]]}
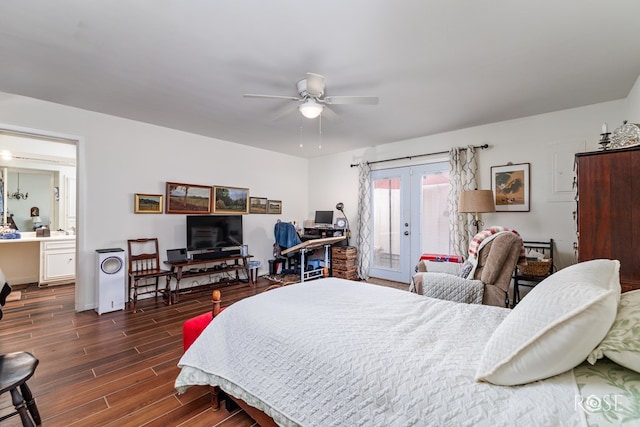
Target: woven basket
{"points": [[535, 268]]}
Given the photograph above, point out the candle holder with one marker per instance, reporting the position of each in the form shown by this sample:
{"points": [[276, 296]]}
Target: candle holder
{"points": [[604, 140]]}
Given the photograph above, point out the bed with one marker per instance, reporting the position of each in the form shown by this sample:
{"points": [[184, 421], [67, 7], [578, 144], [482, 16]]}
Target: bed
{"points": [[334, 352]]}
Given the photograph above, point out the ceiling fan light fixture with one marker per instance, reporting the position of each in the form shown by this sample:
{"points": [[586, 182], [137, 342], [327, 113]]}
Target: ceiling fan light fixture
{"points": [[310, 109]]}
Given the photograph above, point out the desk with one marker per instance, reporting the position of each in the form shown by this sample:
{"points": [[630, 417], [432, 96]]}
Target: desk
{"points": [[310, 245], [208, 267], [312, 233]]}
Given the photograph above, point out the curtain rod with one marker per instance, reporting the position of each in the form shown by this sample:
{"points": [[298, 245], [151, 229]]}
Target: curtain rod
{"points": [[483, 146]]}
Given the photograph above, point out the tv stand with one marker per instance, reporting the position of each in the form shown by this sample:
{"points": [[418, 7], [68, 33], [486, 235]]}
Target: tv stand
{"points": [[225, 264]]}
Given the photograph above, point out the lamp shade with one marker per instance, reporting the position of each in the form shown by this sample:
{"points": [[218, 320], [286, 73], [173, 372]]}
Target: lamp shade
{"points": [[475, 201], [311, 109]]}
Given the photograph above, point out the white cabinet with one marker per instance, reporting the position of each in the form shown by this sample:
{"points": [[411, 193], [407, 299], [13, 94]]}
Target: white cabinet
{"points": [[58, 261]]}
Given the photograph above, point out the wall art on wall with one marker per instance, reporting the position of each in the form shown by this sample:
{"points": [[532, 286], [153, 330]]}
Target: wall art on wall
{"points": [[274, 207], [258, 205], [148, 203], [188, 198], [231, 200], [510, 185]]}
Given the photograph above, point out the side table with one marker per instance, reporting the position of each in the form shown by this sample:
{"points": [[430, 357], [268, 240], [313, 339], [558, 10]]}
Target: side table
{"points": [[520, 279]]}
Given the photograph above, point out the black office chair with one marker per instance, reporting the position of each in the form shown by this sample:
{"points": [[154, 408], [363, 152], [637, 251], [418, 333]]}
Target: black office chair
{"points": [[15, 369]]}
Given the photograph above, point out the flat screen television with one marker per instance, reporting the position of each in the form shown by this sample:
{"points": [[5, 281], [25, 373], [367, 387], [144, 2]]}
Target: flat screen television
{"points": [[323, 218], [213, 232]]}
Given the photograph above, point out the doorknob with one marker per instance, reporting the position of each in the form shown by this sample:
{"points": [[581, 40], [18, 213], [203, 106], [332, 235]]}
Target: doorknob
{"points": [[406, 233]]}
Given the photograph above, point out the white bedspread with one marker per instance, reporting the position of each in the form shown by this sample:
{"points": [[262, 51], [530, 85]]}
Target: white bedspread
{"points": [[334, 352]]}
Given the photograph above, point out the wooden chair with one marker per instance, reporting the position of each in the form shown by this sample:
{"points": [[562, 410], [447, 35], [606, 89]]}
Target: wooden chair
{"points": [[144, 265], [15, 369]]}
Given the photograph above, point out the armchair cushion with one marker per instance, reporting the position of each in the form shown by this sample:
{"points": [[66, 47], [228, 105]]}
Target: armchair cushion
{"points": [[439, 267], [452, 288], [434, 267]]}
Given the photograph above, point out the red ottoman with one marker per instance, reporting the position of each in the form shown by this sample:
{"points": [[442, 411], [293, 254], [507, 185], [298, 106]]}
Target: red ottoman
{"points": [[192, 328]]}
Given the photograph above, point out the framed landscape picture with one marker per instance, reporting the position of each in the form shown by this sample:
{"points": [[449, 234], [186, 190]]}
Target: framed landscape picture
{"points": [[231, 200], [148, 203], [188, 198], [510, 185], [258, 205], [274, 207]]}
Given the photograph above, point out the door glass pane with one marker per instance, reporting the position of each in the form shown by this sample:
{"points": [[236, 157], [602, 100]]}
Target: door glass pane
{"points": [[386, 223], [434, 238]]}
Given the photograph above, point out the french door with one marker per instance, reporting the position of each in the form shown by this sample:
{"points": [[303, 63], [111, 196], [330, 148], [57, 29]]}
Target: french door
{"points": [[409, 217]]}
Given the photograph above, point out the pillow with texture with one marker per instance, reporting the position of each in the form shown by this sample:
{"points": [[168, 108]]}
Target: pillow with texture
{"points": [[622, 342], [555, 327]]}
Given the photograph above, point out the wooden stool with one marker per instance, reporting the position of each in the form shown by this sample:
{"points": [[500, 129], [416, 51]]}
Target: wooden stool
{"points": [[15, 370]]}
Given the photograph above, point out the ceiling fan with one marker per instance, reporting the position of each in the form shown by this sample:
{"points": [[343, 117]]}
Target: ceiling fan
{"points": [[311, 90]]}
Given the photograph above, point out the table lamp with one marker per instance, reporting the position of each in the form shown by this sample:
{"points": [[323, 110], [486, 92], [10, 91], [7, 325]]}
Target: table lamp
{"points": [[340, 207], [476, 202]]}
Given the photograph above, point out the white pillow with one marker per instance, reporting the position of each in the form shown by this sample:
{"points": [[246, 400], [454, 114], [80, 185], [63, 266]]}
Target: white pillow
{"points": [[555, 327], [622, 343]]}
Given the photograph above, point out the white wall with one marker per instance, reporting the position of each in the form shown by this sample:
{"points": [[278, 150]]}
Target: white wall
{"points": [[633, 104], [548, 142], [118, 158]]}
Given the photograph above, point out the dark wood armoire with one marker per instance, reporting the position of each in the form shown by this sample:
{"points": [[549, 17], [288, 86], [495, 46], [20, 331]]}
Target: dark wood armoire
{"points": [[608, 210]]}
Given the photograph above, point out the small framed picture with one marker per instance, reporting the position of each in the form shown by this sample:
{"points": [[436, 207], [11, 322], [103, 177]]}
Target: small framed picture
{"points": [[510, 185], [148, 203], [188, 198], [231, 200], [274, 207], [258, 205]]}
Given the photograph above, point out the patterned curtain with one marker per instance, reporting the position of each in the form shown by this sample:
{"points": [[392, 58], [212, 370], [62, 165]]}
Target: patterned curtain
{"points": [[364, 220], [462, 176]]}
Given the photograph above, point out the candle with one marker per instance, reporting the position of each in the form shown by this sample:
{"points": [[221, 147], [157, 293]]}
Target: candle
{"points": [[604, 128]]}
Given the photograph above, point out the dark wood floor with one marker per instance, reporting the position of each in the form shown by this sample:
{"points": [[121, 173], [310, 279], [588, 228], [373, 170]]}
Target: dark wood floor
{"points": [[117, 369]]}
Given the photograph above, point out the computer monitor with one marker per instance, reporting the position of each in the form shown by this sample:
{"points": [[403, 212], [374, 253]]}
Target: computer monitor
{"points": [[324, 218]]}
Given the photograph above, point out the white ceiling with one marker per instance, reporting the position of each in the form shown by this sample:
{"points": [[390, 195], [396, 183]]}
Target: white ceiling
{"points": [[437, 66]]}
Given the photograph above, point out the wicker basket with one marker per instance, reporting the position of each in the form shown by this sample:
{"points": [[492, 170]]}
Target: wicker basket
{"points": [[536, 268]]}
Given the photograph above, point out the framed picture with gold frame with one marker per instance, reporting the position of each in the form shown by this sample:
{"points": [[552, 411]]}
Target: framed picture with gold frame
{"points": [[258, 205], [510, 185], [274, 207], [148, 203], [230, 200], [188, 198]]}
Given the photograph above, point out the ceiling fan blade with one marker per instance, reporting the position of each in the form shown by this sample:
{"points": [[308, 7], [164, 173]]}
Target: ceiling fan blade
{"points": [[370, 100], [252, 95], [284, 112], [315, 85], [329, 114]]}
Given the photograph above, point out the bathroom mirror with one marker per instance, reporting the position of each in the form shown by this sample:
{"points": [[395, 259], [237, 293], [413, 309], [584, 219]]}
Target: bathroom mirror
{"points": [[37, 176]]}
